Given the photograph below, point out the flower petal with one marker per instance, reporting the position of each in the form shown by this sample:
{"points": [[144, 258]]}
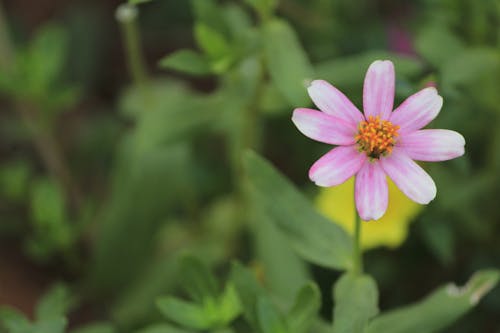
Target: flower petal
{"points": [[336, 166], [322, 127], [433, 145], [378, 90], [409, 177], [417, 110], [330, 100], [371, 192]]}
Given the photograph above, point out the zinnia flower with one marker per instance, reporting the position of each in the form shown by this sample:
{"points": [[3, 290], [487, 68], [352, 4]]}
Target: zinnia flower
{"points": [[381, 142]]}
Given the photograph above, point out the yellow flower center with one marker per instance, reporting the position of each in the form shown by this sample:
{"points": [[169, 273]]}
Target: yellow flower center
{"points": [[376, 137]]}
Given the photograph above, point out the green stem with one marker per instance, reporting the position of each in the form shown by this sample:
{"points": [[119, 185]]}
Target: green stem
{"points": [[357, 253], [127, 14]]}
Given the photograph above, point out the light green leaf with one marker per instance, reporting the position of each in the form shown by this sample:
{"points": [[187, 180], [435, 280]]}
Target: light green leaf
{"points": [[287, 61], [186, 61], [229, 305], [305, 309], [356, 302], [211, 42], [314, 237], [162, 328], [197, 279], [270, 320], [52, 325], [438, 310], [184, 313]]}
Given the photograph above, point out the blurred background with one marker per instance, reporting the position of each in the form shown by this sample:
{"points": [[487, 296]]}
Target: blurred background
{"points": [[120, 142]]}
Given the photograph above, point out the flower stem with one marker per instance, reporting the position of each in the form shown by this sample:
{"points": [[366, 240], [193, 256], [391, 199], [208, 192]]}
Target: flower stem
{"points": [[127, 14], [357, 253]]}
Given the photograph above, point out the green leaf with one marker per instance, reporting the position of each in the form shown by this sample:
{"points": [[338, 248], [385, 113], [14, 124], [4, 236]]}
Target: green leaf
{"points": [[137, 2], [265, 8], [438, 310], [356, 302], [162, 328], [184, 313], [349, 72], [52, 325], [14, 321], [248, 291], [287, 61], [314, 237], [55, 303], [305, 309], [100, 327], [211, 42], [270, 320], [209, 13], [437, 44], [229, 305], [197, 279], [14, 177], [47, 204], [186, 61]]}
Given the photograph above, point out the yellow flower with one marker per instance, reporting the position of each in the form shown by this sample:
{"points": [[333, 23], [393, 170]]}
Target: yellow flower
{"points": [[337, 203]]}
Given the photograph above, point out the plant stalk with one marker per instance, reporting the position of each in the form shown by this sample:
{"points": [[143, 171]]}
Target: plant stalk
{"points": [[357, 253]]}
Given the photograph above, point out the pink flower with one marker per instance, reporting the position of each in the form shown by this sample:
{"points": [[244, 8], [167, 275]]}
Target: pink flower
{"points": [[381, 142]]}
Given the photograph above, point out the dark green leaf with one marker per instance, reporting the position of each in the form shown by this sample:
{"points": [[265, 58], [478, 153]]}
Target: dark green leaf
{"points": [[186, 61], [437, 44], [438, 310], [288, 63], [197, 279], [313, 236], [356, 302], [14, 321]]}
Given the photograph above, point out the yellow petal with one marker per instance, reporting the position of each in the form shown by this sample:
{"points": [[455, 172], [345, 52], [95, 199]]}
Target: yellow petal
{"points": [[337, 203]]}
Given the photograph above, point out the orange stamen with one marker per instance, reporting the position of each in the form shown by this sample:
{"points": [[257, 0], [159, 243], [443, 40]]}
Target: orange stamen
{"points": [[376, 137]]}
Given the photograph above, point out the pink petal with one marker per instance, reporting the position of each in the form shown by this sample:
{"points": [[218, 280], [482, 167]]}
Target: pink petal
{"points": [[417, 110], [336, 166], [411, 179], [378, 90], [330, 100], [371, 191], [322, 127], [433, 145]]}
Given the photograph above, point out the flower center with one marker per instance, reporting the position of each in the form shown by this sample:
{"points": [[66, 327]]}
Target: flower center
{"points": [[376, 137]]}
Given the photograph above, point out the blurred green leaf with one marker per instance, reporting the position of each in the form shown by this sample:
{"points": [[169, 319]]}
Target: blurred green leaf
{"points": [[248, 290], [265, 8], [47, 204], [184, 313], [314, 237], [270, 320], [437, 44], [211, 42], [14, 177], [161, 328], [137, 2], [440, 239], [349, 72], [209, 13], [99, 327], [186, 61], [14, 321], [54, 304], [437, 310], [287, 61], [305, 309], [197, 279], [356, 302]]}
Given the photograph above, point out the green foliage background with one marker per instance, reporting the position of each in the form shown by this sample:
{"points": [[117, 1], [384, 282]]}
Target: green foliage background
{"points": [[124, 143]]}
